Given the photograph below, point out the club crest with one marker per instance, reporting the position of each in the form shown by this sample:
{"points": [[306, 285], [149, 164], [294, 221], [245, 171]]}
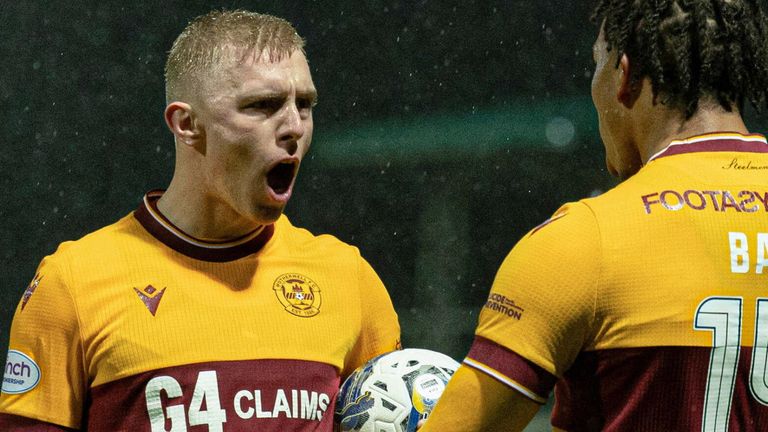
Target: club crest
{"points": [[298, 294]]}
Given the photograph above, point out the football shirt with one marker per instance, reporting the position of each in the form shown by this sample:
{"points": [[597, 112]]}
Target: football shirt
{"points": [[647, 305], [138, 326]]}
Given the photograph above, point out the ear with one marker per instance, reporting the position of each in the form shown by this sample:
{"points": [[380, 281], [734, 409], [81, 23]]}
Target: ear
{"points": [[626, 92], [181, 120]]}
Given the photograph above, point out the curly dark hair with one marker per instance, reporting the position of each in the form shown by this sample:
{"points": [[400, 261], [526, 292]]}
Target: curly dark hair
{"points": [[692, 50]]}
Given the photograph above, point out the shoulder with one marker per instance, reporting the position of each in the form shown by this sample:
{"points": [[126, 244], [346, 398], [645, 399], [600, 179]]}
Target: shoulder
{"points": [[572, 222], [622, 212], [97, 248], [99, 239], [67, 275], [545, 291], [559, 261], [301, 241], [589, 222]]}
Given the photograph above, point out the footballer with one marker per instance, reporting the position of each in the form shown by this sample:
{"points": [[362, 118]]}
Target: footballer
{"points": [[646, 308], [205, 309]]}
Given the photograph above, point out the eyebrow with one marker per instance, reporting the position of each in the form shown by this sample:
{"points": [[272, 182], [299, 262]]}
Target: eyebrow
{"points": [[309, 94], [272, 94]]}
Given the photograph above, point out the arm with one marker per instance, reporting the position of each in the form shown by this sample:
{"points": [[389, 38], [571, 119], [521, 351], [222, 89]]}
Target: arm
{"points": [[474, 401], [536, 321], [44, 384], [379, 326]]}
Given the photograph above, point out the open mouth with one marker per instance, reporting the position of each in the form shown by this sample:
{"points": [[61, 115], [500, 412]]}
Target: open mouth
{"points": [[280, 177]]}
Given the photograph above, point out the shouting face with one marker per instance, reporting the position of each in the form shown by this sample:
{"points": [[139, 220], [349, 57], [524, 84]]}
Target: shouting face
{"points": [[255, 117]]}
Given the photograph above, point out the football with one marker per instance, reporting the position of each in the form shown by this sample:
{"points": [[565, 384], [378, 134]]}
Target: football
{"points": [[393, 391]]}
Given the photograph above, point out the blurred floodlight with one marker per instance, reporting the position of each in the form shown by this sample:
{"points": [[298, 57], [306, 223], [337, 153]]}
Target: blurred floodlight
{"points": [[560, 131]]}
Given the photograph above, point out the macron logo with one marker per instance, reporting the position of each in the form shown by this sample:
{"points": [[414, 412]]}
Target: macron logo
{"points": [[151, 297]]}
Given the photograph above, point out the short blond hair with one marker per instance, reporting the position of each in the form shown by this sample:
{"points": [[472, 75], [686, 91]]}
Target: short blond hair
{"points": [[217, 36]]}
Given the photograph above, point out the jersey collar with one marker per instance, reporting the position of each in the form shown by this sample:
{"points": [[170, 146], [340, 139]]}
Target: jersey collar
{"points": [[715, 142], [162, 229]]}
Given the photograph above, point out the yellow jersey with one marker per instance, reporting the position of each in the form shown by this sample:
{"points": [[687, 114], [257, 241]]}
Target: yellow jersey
{"points": [[139, 326], [646, 307]]}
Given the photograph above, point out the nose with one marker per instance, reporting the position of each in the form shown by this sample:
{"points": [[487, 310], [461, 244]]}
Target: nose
{"points": [[291, 129]]}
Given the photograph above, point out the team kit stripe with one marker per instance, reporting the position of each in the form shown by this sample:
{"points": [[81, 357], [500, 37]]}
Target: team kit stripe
{"points": [[510, 368], [649, 389], [9, 422], [721, 142], [162, 229], [150, 203], [546, 222], [505, 380], [264, 395]]}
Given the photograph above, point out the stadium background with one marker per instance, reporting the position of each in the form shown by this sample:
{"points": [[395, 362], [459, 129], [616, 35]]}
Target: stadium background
{"points": [[445, 130]]}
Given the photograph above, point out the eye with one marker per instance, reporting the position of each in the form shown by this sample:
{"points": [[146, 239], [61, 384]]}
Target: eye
{"points": [[305, 103], [304, 106], [267, 105]]}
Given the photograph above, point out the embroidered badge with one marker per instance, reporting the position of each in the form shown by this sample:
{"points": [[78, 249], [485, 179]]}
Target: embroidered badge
{"points": [[298, 294], [151, 297], [30, 290]]}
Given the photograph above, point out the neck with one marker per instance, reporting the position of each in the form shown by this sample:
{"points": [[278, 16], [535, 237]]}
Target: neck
{"points": [[665, 125], [202, 216]]}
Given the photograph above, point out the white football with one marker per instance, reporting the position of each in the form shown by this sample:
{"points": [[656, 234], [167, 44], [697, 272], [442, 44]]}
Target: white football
{"points": [[393, 391]]}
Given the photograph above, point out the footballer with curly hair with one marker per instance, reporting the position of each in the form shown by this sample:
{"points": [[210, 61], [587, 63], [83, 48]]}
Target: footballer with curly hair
{"points": [[645, 308]]}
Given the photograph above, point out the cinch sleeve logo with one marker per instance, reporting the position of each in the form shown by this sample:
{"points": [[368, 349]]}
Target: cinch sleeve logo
{"points": [[21, 373]]}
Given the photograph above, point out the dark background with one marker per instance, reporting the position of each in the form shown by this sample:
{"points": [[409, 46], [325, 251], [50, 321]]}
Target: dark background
{"points": [[445, 130]]}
